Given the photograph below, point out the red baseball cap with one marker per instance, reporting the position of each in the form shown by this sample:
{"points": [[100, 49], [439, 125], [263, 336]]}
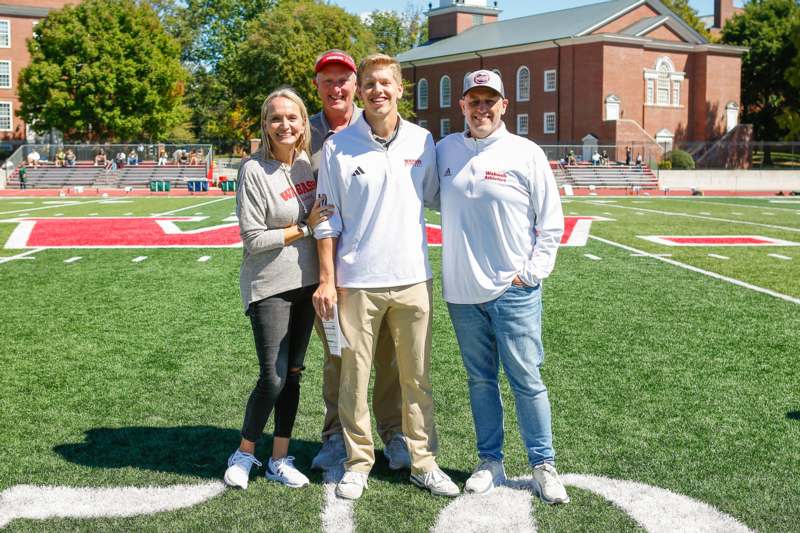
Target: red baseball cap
{"points": [[335, 56]]}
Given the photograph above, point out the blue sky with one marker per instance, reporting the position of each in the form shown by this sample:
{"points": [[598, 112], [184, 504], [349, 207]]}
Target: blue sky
{"points": [[511, 8]]}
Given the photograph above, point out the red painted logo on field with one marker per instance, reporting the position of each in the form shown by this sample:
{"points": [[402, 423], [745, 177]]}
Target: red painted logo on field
{"points": [[576, 231], [716, 240]]}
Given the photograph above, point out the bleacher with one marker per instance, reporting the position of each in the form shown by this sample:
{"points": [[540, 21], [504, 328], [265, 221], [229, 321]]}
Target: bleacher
{"points": [[85, 174], [141, 175], [612, 176]]}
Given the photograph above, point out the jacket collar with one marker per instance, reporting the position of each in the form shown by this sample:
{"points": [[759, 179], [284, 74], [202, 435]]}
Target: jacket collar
{"points": [[500, 133]]}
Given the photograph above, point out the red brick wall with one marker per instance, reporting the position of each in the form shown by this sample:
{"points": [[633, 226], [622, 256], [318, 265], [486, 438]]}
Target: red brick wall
{"points": [[627, 19], [665, 34], [721, 84], [449, 24], [587, 97]]}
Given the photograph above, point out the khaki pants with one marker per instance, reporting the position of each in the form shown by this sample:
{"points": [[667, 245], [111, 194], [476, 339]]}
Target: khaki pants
{"points": [[386, 398], [406, 311]]}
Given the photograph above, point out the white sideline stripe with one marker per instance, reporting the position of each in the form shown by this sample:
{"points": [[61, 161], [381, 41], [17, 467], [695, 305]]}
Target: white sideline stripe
{"points": [[139, 259], [639, 213], [779, 256], [90, 214], [59, 215], [706, 213], [192, 206], [23, 255], [658, 510], [714, 275], [232, 218], [40, 503], [61, 204], [733, 204], [203, 258], [23, 203], [717, 256], [648, 255], [337, 513], [198, 213], [717, 219], [72, 259], [592, 257]]}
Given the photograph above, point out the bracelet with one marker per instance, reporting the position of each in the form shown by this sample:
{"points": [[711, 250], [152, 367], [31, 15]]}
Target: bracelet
{"points": [[306, 229]]}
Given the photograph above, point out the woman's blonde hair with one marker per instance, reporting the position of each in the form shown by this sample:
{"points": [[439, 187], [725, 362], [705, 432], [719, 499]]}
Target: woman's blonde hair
{"points": [[303, 144]]}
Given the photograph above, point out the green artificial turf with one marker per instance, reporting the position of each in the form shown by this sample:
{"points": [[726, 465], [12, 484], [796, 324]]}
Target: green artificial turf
{"points": [[119, 373]]}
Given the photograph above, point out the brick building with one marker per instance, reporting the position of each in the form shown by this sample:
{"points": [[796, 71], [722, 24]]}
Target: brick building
{"points": [[18, 19], [617, 72]]}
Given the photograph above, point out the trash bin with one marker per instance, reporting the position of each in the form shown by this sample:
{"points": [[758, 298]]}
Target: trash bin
{"points": [[227, 186], [197, 185], [159, 185]]}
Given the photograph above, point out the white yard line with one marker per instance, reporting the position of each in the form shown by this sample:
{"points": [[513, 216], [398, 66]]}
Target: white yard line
{"points": [[714, 275], [592, 257], [195, 206], [72, 259], [779, 256], [139, 259], [734, 204], [717, 219], [717, 256], [203, 258], [648, 255], [67, 204], [23, 255]]}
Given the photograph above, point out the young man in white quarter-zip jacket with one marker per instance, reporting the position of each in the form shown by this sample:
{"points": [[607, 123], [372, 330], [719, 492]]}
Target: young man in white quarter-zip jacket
{"points": [[501, 226], [373, 255]]}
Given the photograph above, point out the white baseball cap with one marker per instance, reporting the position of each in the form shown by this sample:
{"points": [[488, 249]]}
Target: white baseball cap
{"points": [[484, 78]]}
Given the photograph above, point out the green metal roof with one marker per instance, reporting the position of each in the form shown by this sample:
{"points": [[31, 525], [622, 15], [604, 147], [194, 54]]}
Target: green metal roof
{"points": [[542, 27]]}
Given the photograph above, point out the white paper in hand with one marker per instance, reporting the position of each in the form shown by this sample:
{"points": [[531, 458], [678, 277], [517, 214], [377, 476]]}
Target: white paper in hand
{"points": [[333, 334]]}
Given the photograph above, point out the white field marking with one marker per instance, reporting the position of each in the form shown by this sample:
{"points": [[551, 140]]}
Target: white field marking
{"points": [[592, 257], [91, 214], [232, 218], [40, 503], [23, 203], [639, 213], [714, 275], [198, 214], [605, 201], [731, 204], [706, 213], [717, 256], [507, 508], [738, 214], [658, 510], [203, 258], [116, 201], [23, 255], [139, 259], [72, 259], [779, 256], [784, 202], [24, 214], [607, 213], [127, 214], [191, 206], [648, 255], [717, 219], [60, 204], [664, 240], [337, 513], [59, 215]]}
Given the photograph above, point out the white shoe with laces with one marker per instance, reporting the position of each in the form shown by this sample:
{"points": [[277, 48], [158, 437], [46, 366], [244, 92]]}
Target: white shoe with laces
{"points": [[548, 485], [283, 471], [352, 485], [332, 453], [238, 472], [437, 482], [396, 452], [486, 476]]}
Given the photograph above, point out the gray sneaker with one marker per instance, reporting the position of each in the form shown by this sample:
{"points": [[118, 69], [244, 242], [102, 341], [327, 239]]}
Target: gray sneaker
{"points": [[486, 476], [332, 453], [351, 486], [437, 482], [396, 452], [548, 485]]}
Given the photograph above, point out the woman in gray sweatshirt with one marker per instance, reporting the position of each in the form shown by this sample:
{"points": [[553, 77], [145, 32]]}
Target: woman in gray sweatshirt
{"points": [[275, 203]]}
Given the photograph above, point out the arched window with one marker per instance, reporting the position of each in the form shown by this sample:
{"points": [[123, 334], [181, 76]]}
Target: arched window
{"points": [[422, 94], [662, 84], [444, 91], [523, 84]]}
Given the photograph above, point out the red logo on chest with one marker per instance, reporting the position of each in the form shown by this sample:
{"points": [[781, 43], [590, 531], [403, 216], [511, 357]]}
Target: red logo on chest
{"points": [[413, 162], [495, 175], [303, 187]]}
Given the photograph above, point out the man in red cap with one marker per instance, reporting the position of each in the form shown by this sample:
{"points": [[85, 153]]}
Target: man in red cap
{"points": [[335, 80]]}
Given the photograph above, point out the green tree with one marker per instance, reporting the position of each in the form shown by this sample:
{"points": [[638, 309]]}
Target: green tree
{"points": [[688, 14], [103, 70], [765, 28], [791, 115], [397, 32], [282, 46]]}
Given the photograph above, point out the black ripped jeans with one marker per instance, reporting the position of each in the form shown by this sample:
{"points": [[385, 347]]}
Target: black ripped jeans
{"points": [[282, 327]]}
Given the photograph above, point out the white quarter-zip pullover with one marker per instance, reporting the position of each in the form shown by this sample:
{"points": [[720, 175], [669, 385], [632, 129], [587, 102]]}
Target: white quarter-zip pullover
{"points": [[379, 193], [501, 214]]}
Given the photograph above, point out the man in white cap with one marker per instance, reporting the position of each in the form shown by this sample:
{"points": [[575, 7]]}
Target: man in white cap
{"points": [[335, 80], [502, 223]]}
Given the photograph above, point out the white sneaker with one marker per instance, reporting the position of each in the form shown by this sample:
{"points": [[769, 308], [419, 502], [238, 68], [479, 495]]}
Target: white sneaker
{"points": [[238, 472], [332, 453], [548, 485], [283, 471], [486, 476], [396, 452], [437, 482], [352, 485]]}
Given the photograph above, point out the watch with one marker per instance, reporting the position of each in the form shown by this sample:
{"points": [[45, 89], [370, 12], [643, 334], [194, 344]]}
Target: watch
{"points": [[305, 228]]}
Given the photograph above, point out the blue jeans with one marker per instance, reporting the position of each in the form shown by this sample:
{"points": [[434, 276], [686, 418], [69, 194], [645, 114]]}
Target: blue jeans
{"points": [[506, 330]]}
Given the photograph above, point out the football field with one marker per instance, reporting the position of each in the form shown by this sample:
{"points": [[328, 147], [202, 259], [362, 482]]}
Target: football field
{"points": [[671, 333]]}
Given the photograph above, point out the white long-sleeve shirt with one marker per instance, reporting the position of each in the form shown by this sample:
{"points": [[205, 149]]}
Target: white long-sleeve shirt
{"points": [[379, 193], [501, 214]]}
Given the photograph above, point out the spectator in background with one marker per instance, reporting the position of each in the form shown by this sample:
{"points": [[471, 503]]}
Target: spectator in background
{"points": [[60, 158], [628, 154], [571, 159], [604, 158], [133, 158], [100, 159], [70, 158], [33, 158], [121, 159], [193, 157], [162, 158], [183, 159], [639, 160], [22, 180], [595, 158]]}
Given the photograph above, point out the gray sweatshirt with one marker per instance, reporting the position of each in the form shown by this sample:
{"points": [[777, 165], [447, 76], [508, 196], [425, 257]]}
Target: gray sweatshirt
{"points": [[270, 196]]}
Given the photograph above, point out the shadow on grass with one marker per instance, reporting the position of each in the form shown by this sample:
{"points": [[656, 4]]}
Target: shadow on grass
{"points": [[188, 450], [793, 415]]}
